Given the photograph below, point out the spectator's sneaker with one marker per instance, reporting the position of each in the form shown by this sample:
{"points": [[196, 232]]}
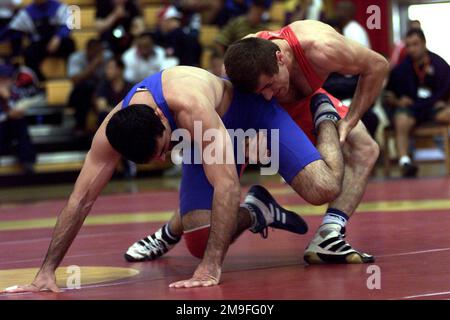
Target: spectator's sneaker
{"points": [[329, 246], [409, 170], [268, 213], [151, 247]]}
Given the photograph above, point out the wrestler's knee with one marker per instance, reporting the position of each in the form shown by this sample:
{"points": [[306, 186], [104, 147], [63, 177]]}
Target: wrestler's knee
{"points": [[196, 225], [363, 150], [316, 184], [196, 241]]}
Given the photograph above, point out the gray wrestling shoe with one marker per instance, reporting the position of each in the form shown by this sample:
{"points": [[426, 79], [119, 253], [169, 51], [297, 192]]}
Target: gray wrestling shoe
{"points": [[329, 246]]}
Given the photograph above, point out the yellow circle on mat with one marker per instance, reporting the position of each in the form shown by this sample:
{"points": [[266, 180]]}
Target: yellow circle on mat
{"points": [[87, 275]]}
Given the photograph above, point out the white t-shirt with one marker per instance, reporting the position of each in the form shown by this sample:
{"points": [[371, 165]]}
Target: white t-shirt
{"points": [[137, 68], [353, 30]]}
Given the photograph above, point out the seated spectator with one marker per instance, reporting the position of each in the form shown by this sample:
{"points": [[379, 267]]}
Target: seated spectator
{"points": [[118, 21], [112, 89], [110, 92], [399, 51], [7, 10], [85, 69], [239, 27], [233, 9], [145, 58], [45, 23], [177, 42], [415, 93], [191, 11], [13, 125]]}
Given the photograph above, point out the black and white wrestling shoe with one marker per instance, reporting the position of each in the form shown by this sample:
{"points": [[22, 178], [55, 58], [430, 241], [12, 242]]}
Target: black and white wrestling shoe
{"points": [[329, 246], [152, 246], [268, 213]]}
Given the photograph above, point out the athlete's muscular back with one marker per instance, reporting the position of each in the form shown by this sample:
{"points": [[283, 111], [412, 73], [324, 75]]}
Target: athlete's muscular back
{"points": [[327, 51], [190, 90]]}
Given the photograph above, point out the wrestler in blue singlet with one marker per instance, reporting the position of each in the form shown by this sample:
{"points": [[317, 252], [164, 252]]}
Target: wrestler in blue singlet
{"points": [[246, 111]]}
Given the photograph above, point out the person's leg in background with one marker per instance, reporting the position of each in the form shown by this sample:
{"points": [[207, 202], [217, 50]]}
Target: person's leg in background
{"points": [[26, 151], [5, 140], [404, 122], [442, 112], [371, 122], [34, 54], [66, 48], [81, 100]]}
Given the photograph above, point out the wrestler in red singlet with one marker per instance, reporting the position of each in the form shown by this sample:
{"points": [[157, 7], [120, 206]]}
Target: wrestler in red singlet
{"points": [[300, 110]]}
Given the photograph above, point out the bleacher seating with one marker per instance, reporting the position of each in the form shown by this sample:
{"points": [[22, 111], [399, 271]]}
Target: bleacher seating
{"points": [[151, 15], [53, 68], [58, 87], [207, 35], [81, 37], [58, 91], [277, 12]]}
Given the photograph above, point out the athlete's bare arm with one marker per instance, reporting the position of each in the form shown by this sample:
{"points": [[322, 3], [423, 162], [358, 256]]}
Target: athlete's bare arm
{"points": [[328, 51], [97, 170], [200, 105]]}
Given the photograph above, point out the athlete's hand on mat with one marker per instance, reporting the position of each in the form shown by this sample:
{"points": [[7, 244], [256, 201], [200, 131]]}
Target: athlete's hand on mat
{"points": [[42, 282], [204, 276], [344, 127]]}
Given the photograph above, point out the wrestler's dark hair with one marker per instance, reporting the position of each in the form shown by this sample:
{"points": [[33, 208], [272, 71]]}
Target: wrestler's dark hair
{"points": [[133, 132], [247, 59]]}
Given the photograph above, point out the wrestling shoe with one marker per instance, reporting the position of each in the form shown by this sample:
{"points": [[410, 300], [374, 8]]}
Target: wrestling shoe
{"points": [[152, 246], [329, 246], [268, 213]]}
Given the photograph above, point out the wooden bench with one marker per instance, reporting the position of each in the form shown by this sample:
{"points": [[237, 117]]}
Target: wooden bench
{"points": [[425, 131]]}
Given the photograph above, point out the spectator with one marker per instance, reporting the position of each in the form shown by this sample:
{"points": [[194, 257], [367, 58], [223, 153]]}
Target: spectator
{"points": [[345, 13], [399, 52], [191, 11], [145, 58], [112, 89], [7, 10], [118, 21], [44, 21], [172, 37], [235, 8], [109, 93], [239, 27], [13, 125], [85, 69], [415, 93]]}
